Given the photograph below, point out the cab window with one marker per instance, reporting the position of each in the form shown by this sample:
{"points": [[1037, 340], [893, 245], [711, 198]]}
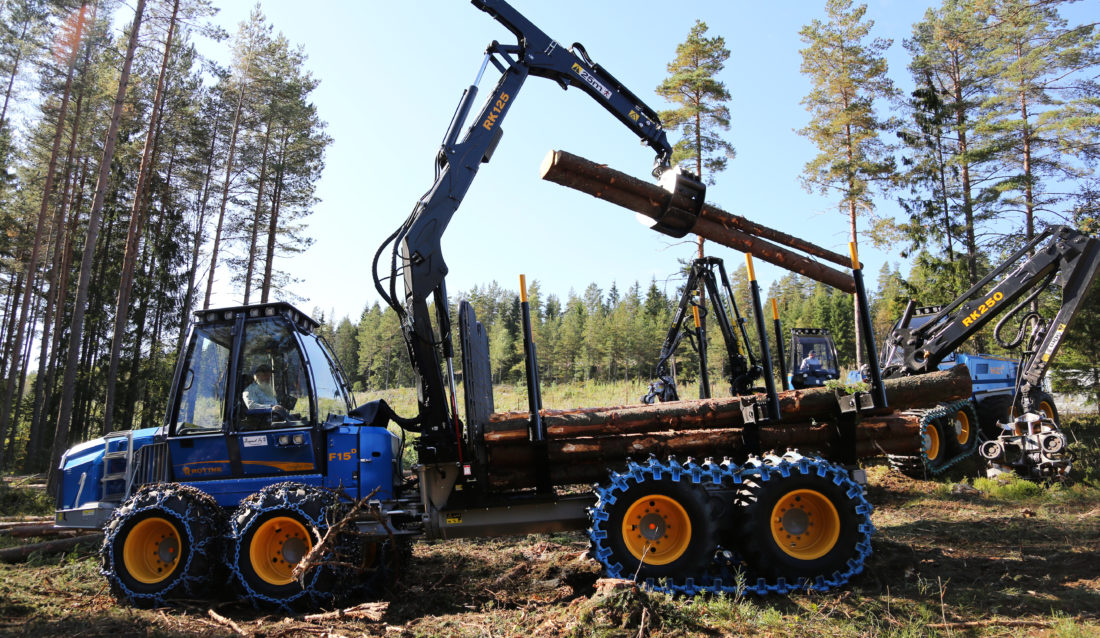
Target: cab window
{"points": [[332, 400], [202, 398], [273, 387]]}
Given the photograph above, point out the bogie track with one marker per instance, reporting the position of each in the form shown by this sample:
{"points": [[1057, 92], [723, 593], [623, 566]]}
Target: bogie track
{"points": [[772, 525]]}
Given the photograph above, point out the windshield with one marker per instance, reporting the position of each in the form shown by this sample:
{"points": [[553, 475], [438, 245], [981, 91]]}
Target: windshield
{"points": [[813, 352]]}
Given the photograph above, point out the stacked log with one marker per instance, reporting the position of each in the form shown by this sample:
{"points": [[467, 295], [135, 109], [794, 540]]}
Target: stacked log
{"points": [[582, 443]]}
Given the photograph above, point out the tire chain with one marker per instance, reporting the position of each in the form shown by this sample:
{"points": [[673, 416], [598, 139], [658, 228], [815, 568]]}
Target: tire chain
{"points": [[201, 511], [725, 578], [915, 465]]}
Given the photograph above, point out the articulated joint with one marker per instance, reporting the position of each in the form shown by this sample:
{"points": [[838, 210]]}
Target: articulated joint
{"points": [[684, 204]]}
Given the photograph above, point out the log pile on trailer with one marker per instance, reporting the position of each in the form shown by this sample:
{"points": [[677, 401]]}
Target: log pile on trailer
{"points": [[584, 442]]}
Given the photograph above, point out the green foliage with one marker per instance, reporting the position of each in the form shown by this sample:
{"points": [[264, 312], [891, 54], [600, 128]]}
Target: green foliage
{"points": [[703, 112], [1009, 487], [848, 74], [16, 500]]}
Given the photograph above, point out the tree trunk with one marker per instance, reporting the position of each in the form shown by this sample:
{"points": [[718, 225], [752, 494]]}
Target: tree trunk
{"points": [[258, 215], [273, 223], [225, 196], [137, 226], [68, 385], [43, 214], [795, 406]]}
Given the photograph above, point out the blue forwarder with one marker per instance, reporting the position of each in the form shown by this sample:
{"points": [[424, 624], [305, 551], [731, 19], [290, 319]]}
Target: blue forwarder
{"points": [[162, 493], [263, 468]]}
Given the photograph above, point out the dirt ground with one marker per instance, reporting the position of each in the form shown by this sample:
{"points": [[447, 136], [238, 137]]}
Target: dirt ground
{"points": [[951, 557]]}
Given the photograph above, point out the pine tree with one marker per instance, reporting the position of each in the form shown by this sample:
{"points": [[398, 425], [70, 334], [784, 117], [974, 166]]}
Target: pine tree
{"points": [[848, 74], [1043, 112]]}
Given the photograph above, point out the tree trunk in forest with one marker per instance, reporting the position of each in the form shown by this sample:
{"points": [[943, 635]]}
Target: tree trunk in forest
{"points": [[257, 216], [225, 196], [43, 214], [68, 386], [137, 226], [14, 73], [196, 246], [55, 298], [273, 223]]}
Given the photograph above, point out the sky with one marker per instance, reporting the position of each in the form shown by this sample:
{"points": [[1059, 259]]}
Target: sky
{"points": [[391, 75]]}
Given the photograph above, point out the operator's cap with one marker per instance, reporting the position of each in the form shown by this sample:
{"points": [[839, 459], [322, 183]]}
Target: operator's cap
{"points": [[263, 367]]}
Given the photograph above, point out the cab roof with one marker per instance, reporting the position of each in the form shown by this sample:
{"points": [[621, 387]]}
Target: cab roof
{"points": [[278, 308]]}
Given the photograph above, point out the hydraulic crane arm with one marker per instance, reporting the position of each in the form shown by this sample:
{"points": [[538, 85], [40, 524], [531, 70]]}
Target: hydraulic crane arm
{"points": [[416, 257], [1069, 259]]}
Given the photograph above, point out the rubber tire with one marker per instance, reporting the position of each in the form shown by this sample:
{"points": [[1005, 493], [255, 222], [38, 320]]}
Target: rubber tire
{"points": [[991, 410], [762, 555], [701, 511], [200, 524], [323, 586]]}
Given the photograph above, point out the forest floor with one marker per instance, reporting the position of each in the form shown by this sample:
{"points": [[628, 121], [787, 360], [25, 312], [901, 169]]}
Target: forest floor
{"points": [[957, 556]]}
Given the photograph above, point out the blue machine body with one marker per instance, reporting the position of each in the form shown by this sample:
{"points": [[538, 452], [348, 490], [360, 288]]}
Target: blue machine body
{"points": [[215, 442]]}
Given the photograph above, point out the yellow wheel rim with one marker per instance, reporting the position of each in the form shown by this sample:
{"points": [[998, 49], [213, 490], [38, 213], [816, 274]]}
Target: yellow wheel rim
{"points": [[277, 546], [1046, 409], [931, 442], [805, 524], [656, 529], [962, 427], [151, 550]]}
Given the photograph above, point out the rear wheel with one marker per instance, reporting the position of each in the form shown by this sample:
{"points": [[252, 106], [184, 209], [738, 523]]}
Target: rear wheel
{"points": [[274, 529], [163, 544], [803, 524]]}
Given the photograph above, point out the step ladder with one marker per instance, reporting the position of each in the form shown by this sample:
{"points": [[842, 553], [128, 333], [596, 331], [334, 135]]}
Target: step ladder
{"points": [[116, 484]]}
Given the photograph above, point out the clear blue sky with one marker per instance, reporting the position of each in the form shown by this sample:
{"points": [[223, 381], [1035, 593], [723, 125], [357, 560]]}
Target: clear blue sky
{"points": [[392, 72]]}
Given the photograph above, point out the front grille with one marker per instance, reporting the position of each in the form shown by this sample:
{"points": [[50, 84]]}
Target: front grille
{"points": [[151, 464]]}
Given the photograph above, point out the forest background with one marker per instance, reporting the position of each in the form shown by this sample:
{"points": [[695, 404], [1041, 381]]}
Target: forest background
{"points": [[144, 175]]}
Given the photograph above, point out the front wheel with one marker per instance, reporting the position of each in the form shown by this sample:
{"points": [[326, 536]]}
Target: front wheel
{"points": [[655, 524], [163, 544]]}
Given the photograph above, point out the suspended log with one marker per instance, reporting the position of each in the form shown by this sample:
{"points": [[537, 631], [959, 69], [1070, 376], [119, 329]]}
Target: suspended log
{"points": [[20, 553], [796, 407], [715, 224]]}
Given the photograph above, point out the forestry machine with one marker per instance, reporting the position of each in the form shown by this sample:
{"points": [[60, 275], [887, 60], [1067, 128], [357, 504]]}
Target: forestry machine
{"points": [[261, 454], [1009, 407]]}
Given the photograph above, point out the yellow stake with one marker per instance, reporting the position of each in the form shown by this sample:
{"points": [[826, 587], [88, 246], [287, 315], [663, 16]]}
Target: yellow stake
{"points": [[775, 310], [855, 255], [752, 271], [523, 289]]}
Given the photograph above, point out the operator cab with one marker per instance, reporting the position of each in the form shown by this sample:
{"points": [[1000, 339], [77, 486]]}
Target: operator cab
{"points": [[255, 390], [813, 358]]}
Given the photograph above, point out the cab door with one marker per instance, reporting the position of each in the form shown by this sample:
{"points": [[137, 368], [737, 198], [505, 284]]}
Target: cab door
{"points": [[274, 432], [197, 444]]}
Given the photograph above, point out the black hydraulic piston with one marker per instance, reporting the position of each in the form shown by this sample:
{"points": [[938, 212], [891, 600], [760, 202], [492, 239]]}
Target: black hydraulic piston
{"points": [[779, 346], [537, 429]]}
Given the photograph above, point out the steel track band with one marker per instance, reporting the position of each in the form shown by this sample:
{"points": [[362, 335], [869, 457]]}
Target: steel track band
{"points": [[727, 580]]}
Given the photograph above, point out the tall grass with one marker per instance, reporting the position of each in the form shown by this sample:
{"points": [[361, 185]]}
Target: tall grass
{"points": [[558, 396]]}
